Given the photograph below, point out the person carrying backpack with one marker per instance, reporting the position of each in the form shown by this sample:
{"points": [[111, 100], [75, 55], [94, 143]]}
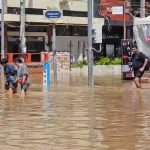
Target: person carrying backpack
{"points": [[140, 64], [10, 72]]}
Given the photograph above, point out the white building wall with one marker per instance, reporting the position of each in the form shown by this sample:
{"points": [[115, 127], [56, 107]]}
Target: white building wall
{"points": [[41, 4], [77, 45], [44, 4], [74, 5]]}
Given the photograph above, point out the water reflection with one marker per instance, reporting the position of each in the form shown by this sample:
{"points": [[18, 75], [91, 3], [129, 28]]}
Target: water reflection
{"points": [[111, 115], [47, 102]]}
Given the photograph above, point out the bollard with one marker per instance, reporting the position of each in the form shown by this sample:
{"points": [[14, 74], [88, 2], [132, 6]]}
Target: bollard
{"points": [[46, 74]]}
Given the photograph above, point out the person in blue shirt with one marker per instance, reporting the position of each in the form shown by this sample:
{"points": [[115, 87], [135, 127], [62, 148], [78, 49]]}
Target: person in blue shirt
{"points": [[10, 72]]}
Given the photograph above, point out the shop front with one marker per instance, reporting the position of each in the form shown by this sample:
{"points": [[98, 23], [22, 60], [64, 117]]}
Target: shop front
{"points": [[111, 41]]}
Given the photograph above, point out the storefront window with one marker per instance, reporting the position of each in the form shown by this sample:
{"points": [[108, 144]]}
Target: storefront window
{"points": [[13, 44], [111, 40], [71, 31], [110, 50], [34, 44]]}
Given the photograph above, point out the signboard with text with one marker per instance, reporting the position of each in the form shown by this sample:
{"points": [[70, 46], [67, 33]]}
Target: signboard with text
{"points": [[52, 14], [117, 10], [127, 58]]}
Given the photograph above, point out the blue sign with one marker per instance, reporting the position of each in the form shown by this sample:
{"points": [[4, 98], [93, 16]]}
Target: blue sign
{"points": [[52, 14], [46, 74]]}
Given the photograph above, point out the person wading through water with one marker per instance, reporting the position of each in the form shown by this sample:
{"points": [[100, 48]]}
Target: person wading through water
{"points": [[23, 75], [139, 63], [10, 72]]}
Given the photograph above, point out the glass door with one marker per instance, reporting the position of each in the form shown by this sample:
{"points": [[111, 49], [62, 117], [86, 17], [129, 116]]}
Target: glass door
{"points": [[110, 48]]}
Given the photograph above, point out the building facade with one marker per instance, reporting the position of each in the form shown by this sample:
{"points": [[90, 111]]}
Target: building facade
{"points": [[71, 28], [135, 5], [118, 25]]}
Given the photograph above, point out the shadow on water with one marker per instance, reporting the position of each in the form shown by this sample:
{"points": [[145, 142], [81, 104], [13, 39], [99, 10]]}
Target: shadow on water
{"points": [[111, 115]]}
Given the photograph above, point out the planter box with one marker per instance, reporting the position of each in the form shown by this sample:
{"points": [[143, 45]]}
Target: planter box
{"points": [[100, 70]]}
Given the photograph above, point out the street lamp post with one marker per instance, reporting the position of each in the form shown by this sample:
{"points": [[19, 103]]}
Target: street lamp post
{"points": [[2, 43], [22, 27], [142, 9], [90, 51], [54, 54], [124, 21], [2, 30]]}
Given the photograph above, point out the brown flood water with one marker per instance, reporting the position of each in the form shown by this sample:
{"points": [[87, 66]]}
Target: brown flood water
{"points": [[113, 115]]}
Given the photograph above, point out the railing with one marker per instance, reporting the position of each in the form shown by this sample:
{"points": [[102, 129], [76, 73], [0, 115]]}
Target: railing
{"points": [[28, 57], [34, 61]]}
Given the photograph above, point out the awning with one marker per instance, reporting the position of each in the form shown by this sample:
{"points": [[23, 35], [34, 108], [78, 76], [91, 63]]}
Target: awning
{"points": [[138, 21]]}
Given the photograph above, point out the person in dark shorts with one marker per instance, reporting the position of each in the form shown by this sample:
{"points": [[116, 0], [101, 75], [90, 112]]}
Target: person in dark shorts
{"points": [[10, 72], [139, 62], [23, 75]]}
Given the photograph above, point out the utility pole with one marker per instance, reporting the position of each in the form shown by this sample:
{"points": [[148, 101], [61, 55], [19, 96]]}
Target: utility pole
{"points": [[22, 27], [124, 21], [2, 30], [90, 51], [142, 9], [54, 54], [2, 44]]}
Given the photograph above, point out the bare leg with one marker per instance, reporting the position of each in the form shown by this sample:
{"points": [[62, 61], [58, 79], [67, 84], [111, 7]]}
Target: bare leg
{"points": [[137, 82], [10, 92], [22, 93]]}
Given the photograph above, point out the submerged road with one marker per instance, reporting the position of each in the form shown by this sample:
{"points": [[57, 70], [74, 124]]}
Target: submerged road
{"points": [[113, 115]]}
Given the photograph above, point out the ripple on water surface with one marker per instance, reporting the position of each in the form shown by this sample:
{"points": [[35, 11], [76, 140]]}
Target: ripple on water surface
{"points": [[111, 115]]}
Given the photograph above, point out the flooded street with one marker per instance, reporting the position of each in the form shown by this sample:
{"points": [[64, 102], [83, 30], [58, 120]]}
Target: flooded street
{"points": [[113, 115]]}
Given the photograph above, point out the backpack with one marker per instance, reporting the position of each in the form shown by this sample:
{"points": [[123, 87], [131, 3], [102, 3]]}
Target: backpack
{"points": [[10, 70], [148, 65]]}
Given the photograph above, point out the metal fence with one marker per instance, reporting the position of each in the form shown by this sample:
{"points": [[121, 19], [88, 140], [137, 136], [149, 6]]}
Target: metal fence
{"points": [[35, 61]]}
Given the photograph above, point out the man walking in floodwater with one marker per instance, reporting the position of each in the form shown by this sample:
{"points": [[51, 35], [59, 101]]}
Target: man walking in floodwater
{"points": [[139, 63]]}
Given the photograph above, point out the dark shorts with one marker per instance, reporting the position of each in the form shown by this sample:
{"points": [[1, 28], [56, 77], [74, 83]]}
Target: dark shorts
{"points": [[25, 86], [138, 73], [11, 85], [11, 82]]}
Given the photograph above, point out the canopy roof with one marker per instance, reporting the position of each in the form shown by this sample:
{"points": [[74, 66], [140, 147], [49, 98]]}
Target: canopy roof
{"points": [[138, 21]]}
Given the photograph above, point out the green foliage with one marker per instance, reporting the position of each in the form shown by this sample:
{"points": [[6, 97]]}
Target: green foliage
{"points": [[84, 62], [79, 64], [108, 61], [116, 61], [102, 61]]}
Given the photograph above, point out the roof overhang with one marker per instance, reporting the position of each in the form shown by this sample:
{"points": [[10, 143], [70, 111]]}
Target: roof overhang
{"points": [[67, 20], [139, 21]]}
